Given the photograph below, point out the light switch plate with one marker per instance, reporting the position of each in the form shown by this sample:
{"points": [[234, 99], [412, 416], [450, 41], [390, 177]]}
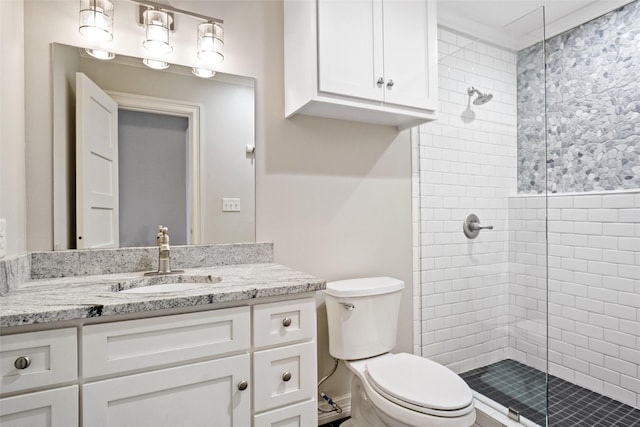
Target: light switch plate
{"points": [[230, 204], [3, 238]]}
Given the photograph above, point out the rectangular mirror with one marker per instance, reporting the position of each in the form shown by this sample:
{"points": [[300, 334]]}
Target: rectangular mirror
{"points": [[184, 154]]}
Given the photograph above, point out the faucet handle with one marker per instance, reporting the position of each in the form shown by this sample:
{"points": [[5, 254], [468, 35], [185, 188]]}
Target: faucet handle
{"points": [[163, 236]]}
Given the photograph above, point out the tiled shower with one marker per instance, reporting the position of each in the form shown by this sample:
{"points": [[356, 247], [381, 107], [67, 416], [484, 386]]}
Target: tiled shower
{"points": [[553, 163]]}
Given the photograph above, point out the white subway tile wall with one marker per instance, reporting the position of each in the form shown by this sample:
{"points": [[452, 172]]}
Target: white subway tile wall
{"points": [[483, 300], [594, 290], [467, 164]]}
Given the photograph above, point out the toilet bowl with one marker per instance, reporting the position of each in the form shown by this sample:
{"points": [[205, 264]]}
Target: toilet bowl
{"points": [[403, 390], [389, 390]]}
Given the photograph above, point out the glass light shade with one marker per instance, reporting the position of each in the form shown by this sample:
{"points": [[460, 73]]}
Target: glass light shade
{"points": [[157, 25], [101, 54], [210, 43], [155, 64], [96, 20], [203, 72]]}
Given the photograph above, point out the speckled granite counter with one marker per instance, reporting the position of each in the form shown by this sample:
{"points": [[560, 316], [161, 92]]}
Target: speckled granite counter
{"points": [[80, 297]]}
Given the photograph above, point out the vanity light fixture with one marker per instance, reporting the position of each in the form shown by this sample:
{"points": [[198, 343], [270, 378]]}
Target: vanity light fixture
{"points": [[96, 20], [100, 54], [210, 42], [96, 23], [155, 64], [157, 23], [203, 72]]}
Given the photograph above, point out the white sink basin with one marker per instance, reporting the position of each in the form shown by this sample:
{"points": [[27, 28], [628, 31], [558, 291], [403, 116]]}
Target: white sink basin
{"points": [[164, 283]]}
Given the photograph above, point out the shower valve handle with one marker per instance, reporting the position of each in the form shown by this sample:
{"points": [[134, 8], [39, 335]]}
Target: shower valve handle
{"points": [[471, 226], [475, 226]]}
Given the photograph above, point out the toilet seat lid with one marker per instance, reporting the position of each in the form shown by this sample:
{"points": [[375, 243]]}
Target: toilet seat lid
{"points": [[419, 381]]}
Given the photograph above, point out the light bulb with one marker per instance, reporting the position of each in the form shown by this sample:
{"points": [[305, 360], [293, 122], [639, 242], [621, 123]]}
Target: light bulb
{"points": [[155, 64]]}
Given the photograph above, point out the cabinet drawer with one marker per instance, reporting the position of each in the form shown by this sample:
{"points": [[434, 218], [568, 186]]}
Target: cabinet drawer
{"points": [[284, 375], [303, 414], [147, 343], [284, 322], [51, 408], [52, 358]]}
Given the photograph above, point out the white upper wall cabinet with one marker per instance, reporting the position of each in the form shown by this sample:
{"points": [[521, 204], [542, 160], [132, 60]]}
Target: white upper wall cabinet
{"points": [[364, 60]]}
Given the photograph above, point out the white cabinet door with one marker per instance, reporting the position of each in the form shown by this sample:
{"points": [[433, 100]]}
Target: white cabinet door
{"points": [[409, 60], [303, 414], [200, 394], [51, 408], [350, 48]]}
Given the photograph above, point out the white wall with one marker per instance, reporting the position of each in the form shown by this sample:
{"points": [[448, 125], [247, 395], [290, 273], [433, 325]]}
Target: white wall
{"points": [[333, 196], [467, 165], [12, 119], [594, 289]]}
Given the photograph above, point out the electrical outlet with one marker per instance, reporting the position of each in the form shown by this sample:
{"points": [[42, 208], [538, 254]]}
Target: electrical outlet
{"points": [[3, 238], [230, 204]]}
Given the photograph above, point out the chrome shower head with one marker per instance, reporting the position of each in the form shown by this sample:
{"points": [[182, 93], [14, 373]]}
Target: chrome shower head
{"points": [[482, 98]]}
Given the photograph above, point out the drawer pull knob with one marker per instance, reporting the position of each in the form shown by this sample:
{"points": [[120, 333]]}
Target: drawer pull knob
{"points": [[286, 376], [286, 322], [22, 362], [242, 385]]}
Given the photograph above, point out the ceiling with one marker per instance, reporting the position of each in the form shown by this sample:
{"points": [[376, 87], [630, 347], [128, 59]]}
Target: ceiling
{"points": [[516, 24]]}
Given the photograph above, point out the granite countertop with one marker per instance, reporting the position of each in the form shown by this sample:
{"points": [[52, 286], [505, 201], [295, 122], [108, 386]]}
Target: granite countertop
{"points": [[80, 297]]}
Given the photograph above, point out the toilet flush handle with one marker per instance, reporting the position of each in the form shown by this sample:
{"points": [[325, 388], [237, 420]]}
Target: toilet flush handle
{"points": [[348, 306]]}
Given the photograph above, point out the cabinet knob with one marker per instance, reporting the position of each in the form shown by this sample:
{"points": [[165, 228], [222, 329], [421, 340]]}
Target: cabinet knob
{"points": [[390, 83], [286, 376], [380, 81], [286, 322], [242, 385], [22, 362]]}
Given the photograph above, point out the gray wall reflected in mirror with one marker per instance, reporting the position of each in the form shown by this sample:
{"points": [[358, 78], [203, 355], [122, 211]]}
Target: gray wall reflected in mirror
{"points": [[152, 160], [226, 106]]}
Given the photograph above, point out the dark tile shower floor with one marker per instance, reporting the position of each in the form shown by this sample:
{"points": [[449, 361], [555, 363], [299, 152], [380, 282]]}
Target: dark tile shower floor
{"points": [[523, 388]]}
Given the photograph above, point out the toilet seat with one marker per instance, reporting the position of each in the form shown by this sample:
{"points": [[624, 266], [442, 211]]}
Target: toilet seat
{"points": [[419, 384]]}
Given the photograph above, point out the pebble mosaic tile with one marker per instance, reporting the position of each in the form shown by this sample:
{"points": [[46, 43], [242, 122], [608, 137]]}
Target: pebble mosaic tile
{"points": [[593, 108]]}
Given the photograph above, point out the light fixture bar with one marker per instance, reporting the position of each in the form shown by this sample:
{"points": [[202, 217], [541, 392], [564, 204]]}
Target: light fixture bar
{"points": [[171, 9]]}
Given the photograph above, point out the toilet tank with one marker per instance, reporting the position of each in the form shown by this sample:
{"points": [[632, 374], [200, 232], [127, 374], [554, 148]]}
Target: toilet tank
{"points": [[362, 316]]}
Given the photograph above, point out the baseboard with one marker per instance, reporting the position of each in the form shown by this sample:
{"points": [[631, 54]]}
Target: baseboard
{"points": [[326, 417]]}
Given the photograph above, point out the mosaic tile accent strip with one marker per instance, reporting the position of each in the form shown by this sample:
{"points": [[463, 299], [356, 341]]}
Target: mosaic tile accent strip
{"points": [[593, 108], [513, 384]]}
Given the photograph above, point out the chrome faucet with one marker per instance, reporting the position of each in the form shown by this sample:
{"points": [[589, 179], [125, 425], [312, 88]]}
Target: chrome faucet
{"points": [[164, 260], [164, 253]]}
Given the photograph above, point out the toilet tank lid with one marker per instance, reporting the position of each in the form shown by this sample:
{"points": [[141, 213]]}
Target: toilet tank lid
{"points": [[363, 287]]}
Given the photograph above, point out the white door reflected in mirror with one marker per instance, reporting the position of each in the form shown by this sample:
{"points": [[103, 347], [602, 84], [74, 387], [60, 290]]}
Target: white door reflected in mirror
{"points": [[96, 166]]}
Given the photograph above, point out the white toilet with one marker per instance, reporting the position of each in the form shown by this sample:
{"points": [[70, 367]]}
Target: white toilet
{"points": [[389, 390]]}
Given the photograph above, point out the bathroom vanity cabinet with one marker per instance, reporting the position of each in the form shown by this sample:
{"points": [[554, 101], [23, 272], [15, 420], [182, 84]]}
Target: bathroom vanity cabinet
{"points": [[238, 366], [371, 61]]}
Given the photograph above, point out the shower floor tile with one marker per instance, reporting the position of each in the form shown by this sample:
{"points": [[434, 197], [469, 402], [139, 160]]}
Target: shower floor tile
{"points": [[518, 386]]}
